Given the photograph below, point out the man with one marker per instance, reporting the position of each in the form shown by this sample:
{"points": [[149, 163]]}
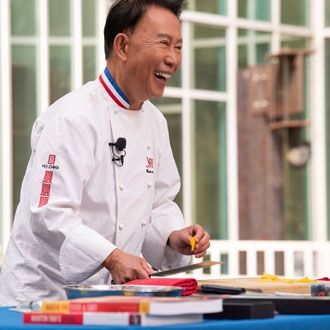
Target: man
{"points": [[99, 187]]}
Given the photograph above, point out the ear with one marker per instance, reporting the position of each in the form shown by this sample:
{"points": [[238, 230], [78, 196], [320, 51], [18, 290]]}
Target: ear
{"points": [[120, 45]]}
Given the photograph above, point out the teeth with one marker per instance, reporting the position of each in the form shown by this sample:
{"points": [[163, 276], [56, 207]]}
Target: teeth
{"points": [[163, 74]]}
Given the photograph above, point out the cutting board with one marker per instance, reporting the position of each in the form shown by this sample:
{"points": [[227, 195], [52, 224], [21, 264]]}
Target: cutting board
{"points": [[258, 285]]}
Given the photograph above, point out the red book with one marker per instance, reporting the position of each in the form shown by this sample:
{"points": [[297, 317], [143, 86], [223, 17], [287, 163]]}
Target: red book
{"points": [[99, 318]]}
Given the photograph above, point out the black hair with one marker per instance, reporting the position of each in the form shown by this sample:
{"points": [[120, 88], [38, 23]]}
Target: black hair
{"points": [[124, 15]]}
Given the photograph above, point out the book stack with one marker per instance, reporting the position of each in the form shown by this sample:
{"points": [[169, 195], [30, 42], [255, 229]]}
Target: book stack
{"points": [[122, 310]]}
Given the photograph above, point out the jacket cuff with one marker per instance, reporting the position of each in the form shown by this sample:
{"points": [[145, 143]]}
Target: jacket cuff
{"points": [[82, 254]]}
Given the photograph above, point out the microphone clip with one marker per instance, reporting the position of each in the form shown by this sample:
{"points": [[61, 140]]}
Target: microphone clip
{"points": [[120, 144]]}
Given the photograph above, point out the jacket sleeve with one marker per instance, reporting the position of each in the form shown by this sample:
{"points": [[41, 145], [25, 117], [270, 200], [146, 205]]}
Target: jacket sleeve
{"points": [[63, 154], [166, 216]]}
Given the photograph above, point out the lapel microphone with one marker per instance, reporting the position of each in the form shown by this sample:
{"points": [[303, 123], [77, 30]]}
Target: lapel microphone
{"points": [[120, 145]]}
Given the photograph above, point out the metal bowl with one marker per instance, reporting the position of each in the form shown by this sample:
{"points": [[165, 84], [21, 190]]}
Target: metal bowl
{"points": [[84, 291]]}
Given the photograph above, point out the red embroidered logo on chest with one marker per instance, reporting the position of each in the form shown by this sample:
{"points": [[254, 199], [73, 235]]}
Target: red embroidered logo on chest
{"points": [[150, 162], [150, 165]]}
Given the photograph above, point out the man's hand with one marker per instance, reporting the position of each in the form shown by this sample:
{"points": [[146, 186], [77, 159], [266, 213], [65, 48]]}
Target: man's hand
{"points": [[180, 240], [125, 267]]}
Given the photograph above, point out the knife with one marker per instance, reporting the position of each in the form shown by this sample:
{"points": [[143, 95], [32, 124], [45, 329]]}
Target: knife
{"points": [[188, 268]]}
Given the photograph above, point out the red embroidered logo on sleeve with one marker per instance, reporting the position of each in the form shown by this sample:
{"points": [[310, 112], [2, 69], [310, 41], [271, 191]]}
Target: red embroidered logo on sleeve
{"points": [[51, 159], [48, 177], [43, 201], [47, 182], [45, 189]]}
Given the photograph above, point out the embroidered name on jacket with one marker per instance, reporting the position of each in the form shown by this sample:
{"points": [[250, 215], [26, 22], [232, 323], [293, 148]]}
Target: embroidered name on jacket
{"points": [[47, 180]]}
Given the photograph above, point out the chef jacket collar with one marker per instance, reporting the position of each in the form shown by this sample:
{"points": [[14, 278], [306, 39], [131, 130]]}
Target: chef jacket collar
{"points": [[113, 89]]}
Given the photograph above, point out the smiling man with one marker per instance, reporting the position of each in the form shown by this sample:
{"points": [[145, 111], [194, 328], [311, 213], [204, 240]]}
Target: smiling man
{"points": [[97, 197], [144, 57]]}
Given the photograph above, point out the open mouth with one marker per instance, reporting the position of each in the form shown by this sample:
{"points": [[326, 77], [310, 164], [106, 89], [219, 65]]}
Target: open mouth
{"points": [[162, 76]]}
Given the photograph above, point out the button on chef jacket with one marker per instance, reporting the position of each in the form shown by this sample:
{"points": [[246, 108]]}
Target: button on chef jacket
{"points": [[77, 205]]}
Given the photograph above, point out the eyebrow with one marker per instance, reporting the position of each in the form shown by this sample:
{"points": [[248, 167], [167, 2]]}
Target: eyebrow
{"points": [[167, 36]]}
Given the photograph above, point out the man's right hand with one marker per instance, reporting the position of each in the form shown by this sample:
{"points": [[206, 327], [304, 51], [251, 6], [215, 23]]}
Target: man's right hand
{"points": [[125, 267]]}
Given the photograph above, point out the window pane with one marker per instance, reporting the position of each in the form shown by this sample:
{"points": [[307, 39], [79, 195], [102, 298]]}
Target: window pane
{"points": [[210, 58], [59, 17], [266, 159], [89, 17], [253, 46], [60, 72], [295, 12], [24, 109], [171, 108], [23, 17], [89, 66], [294, 42], [327, 13], [254, 9], [210, 164], [175, 80], [295, 199], [209, 6]]}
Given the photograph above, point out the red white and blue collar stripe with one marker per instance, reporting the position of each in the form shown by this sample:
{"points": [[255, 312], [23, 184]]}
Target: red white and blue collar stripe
{"points": [[113, 89]]}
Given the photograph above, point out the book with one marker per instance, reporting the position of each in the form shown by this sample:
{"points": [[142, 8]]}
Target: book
{"points": [[108, 318], [199, 304]]}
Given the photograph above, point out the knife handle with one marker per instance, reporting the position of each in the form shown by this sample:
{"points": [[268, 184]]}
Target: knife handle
{"points": [[221, 289]]}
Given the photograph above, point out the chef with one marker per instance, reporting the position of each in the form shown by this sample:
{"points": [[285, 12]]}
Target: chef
{"points": [[97, 197]]}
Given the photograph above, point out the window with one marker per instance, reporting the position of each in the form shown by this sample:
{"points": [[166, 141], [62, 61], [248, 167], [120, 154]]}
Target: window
{"points": [[55, 46], [24, 85]]}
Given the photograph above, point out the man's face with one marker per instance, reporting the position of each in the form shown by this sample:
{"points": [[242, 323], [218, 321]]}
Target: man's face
{"points": [[153, 56]]}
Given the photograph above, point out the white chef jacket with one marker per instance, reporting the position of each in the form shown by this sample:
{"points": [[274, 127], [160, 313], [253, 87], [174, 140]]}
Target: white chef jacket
{"points": [[77, 205]]}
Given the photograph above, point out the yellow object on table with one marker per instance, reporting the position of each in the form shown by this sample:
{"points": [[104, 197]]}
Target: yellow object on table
{"points": [[273, 278]]}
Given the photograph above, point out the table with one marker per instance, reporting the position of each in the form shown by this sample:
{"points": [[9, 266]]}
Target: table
{"points": [[11, 320]]}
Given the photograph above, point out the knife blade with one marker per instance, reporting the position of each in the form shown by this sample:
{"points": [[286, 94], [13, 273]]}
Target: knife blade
{"points": [[188, 268]]}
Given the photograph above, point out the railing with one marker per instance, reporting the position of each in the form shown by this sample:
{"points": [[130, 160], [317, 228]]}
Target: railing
{"points": [[290, 259]]}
